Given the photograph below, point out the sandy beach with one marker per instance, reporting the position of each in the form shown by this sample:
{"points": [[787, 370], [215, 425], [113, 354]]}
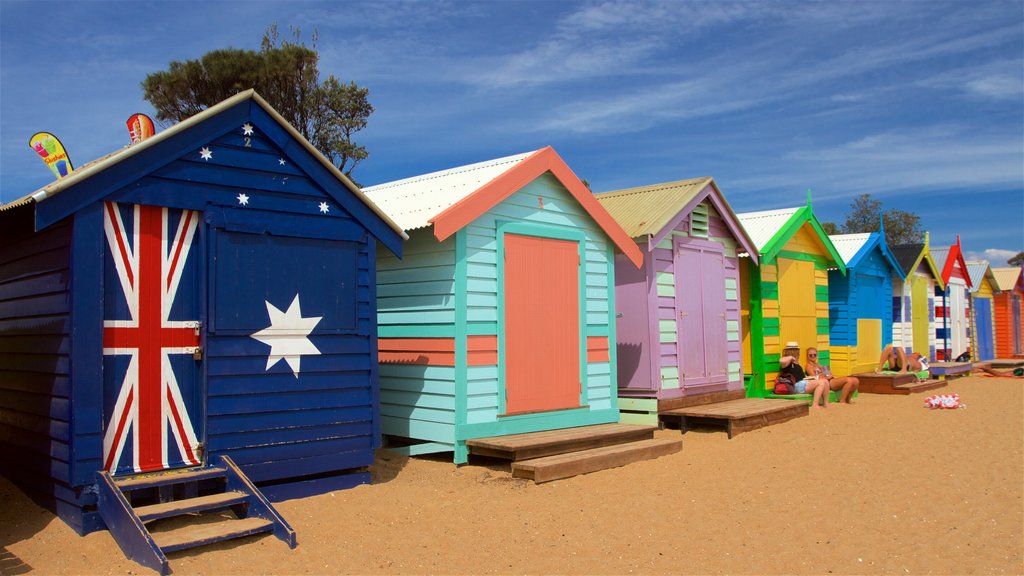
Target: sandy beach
{"points": [[883, 486]]}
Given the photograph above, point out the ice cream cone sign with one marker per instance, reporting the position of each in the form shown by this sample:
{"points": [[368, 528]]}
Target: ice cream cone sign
{"points": [[140, 127], [52, 152]]}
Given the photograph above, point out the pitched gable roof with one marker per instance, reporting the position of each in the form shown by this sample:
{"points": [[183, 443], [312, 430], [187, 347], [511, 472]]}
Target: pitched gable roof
{"points": [[854, 247], [947, 258], [771, 229], [1006, 278], [656, 209], [413, 202], [910, 256], [211, 115], [451, 199], [979, 270]]}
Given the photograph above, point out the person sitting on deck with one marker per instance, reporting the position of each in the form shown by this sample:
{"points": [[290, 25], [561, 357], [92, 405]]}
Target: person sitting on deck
{"points": [[789, 363], [848, 384], [896, 360]]}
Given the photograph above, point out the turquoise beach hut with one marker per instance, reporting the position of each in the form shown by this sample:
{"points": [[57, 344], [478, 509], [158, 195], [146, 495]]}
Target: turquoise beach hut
{"points": [[500, 318]]}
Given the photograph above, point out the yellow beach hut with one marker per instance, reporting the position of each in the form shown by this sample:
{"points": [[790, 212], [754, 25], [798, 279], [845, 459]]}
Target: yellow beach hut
{"points": [[785, 298]]}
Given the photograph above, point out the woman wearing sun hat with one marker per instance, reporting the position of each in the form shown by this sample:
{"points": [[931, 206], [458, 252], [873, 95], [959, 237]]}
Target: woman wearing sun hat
{"points": [[789, 363]]}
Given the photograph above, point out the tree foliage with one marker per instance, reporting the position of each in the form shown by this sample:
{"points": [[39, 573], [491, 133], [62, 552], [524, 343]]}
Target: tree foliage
{"points": [[1017, 260], [287, 75], [901, 227]]}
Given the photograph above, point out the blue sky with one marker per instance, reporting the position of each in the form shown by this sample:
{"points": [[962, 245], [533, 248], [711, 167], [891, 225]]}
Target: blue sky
{"points": [[920, 104]]}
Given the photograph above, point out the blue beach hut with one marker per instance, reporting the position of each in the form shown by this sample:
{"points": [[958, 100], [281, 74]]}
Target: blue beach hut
{"points": [[860, 302], [202, 301]]}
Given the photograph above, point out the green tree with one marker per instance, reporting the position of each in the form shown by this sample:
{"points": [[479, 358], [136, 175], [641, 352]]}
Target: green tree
{"points": [[900, 227], [1017, 260], [830, 228], [287, 75]]}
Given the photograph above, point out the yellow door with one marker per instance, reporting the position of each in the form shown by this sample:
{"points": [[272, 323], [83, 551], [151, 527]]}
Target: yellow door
{"points": [[919, 313], [797, 311]]}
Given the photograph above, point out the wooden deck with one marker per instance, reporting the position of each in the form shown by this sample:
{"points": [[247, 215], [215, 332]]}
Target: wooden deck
{"points": [[554, 454], [949, 370], [1001, 363], [699, 399], [874, 383], [739, 416], [550, 442]]}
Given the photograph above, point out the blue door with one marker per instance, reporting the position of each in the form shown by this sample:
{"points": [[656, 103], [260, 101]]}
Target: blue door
{"points": [[983, 320]]}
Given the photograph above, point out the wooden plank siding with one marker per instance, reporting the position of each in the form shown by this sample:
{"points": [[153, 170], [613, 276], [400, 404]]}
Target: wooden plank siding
{"points": [[35, 362], [416, 300]]}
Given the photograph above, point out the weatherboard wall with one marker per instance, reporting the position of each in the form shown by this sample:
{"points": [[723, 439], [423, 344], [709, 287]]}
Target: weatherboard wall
{"points": [[442, 352], [860, 313], [650, 342], [35, 362], [1008, 314]]}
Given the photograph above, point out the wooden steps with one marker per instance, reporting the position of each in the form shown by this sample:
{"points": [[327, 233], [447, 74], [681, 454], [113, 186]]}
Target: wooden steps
{"points": [[194, 536], [571, 464], [923, 386], [555, 454], [135, 510], [550, 442], [190, 505], [739, 416], [876, 383]]}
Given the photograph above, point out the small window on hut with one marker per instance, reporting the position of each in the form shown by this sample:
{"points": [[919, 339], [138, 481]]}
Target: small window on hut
{"points": [[254, 270], [699, 221]]}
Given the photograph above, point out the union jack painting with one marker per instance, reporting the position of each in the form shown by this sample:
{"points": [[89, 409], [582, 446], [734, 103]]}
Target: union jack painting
{"points": [[151, 322]]}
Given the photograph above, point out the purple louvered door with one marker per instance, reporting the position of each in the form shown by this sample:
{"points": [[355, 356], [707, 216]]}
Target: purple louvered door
{"points": [[715, 339], [700, 301], [690, 323]]}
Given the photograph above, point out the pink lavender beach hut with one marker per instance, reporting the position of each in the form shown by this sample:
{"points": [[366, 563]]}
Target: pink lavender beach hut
{"points": [[678, 316]]}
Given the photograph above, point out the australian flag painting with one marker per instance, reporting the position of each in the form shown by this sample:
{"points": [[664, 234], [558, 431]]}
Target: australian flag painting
{"points": [[151, 328]]}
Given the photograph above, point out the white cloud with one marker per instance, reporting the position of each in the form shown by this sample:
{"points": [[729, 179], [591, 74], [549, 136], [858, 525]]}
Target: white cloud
{"points": [[945, 157], [996, 257]]}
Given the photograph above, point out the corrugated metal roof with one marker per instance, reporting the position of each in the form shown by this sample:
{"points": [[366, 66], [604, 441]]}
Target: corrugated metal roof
{"points": [[978, 269], [413, 202], [762, 226], [939, 256], [848, 245], [1006, 278], [645, 210], [907, 255], [101, 164]]}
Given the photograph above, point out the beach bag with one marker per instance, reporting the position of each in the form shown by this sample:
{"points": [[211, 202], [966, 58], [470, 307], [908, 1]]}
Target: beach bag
{"points": [[785, 384]]}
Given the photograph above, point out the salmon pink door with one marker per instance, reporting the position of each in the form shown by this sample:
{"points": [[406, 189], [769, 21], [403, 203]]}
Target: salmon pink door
{"points": [[542, 324]]}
